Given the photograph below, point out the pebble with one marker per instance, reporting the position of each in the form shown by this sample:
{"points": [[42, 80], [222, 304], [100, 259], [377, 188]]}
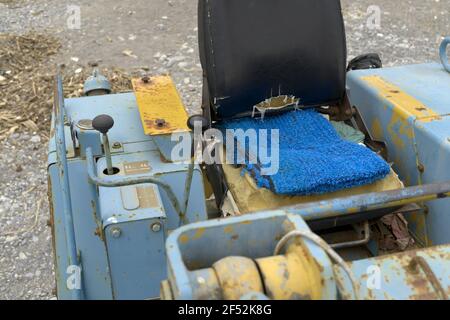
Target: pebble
{"points": [[35, 139], [171, 61]]}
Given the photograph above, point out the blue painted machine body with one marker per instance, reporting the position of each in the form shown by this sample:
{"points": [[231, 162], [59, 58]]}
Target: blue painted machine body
{"points": [[120, 231], [132, 264], [419, 147]]}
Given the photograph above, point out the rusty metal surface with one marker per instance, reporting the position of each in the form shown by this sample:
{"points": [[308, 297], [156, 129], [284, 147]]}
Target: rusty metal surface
{"points": [[408, 108], [414, 275], [201, 245], [370, 201]]}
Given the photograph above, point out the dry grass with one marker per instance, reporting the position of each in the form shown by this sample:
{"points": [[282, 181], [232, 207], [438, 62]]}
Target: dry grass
{"points": [[27, 74], [27, 78]]}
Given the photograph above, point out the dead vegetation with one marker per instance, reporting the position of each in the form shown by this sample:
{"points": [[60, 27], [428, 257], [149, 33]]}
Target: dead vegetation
{"points": [[27, 71]]}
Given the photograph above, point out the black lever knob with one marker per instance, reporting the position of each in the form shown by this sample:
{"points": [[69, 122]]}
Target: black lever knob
{"points": [[198, 120], [103, 123]]}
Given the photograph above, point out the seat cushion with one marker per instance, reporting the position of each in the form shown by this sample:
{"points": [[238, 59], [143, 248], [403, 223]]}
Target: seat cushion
{"points": [[313, 158], [252, 50]]}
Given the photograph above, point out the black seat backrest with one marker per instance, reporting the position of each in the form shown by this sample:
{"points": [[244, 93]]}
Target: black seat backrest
{"points": [[252, 50]]}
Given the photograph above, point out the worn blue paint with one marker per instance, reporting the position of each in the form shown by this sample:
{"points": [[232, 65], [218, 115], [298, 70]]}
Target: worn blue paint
{"points": [[113, 267], [89, 139], [430, 145], [137, 257], [254, 236], [391, 278], [443, 53], [96, 278], [166, 146], [96, 82]]}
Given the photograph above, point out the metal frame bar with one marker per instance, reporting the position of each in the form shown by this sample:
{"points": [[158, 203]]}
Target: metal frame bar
{"points": [[59, 113], [443, 53], [370, 201], [123, 182]]}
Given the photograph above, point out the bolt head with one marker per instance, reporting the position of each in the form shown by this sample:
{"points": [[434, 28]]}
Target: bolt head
{"points": [[117, 145], [116, 233], [160, 122], [156, 227]]}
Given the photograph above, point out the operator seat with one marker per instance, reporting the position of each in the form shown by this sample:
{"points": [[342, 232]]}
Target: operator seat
{"points": [[252, 50]]}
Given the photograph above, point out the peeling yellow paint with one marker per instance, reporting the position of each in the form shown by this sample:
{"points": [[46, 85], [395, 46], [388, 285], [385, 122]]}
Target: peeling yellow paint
{"points": [[295, 275], [399, 129], [238, 276], [199, 233], [377, 130], [406, 105], [184, 239], [228, 229], [158, 100]]}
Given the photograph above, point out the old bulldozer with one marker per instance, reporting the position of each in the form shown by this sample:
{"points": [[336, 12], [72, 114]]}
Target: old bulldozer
{"points": [[304, 177]]}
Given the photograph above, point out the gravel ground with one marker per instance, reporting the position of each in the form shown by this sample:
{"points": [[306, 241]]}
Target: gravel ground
{"points": [[161, 37]]}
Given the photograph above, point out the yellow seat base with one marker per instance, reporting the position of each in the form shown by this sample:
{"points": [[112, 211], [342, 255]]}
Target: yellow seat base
{"points": [[249, 198]]}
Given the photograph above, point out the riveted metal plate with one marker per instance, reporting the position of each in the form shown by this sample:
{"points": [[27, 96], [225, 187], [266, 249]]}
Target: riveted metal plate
{"points": [[161, 109]]}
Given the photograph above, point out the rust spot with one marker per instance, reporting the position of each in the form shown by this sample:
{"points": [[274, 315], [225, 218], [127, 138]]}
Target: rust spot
{"points": [[228, 229], [52, 222], [99, 230], [184, 239], [199, 233]]}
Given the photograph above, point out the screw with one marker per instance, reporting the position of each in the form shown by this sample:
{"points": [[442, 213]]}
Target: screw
{"points": [[116, 233], [160, 122], [117, 145], [156, 227]]}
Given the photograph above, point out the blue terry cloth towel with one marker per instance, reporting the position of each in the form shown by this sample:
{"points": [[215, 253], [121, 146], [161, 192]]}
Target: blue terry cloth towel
{"points": [[313, 158]]}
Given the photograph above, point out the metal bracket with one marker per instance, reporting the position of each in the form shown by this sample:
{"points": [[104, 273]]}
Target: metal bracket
{"points": [[418, 263], [443, 53], [376, 145], [123, 182], [356, 243]]}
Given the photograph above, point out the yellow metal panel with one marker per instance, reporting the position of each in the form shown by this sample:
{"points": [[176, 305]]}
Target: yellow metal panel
{"points": [[238, 276], [162, 111], [249, 198], [405, 104], [294, 276]]}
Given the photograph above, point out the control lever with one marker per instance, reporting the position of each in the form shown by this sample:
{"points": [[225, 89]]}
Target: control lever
{"points": [[201, 123], [103, 124]]}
